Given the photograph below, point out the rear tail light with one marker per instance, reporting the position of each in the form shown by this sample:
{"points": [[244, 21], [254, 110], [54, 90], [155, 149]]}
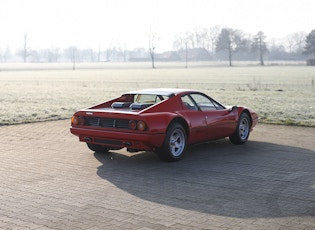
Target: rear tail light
{"points": [[75, 120], [141, 126], [132, 125], [137, 125]]}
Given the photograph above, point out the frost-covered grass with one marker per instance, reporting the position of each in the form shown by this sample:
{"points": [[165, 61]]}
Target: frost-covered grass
{"points": [[280, 94]]}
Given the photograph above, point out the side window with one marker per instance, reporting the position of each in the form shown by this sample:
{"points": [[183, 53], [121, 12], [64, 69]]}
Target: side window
{"points": [[203, 102], [217, 105], [188, 103]]}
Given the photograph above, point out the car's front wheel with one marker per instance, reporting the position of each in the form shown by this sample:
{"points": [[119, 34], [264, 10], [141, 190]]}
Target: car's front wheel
{"points": [[98, 148], [241, 133], [174, 144]]}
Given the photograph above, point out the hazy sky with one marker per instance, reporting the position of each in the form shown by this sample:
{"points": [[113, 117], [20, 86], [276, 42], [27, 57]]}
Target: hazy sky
{"points": [[90, 23]]}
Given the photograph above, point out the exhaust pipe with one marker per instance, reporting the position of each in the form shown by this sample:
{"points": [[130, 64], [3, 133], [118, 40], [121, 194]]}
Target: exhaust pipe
{"points": [[87, 139]]}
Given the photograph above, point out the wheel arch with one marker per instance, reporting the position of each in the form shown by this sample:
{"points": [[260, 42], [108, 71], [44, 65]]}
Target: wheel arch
{"points": [[246, 111], [183, 122]]}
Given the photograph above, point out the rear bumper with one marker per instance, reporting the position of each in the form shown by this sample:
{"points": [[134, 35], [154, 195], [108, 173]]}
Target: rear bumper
{"points": [[119, 139]]}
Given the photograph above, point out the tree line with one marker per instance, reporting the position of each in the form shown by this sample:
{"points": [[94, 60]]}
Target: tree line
{"points": [[233, 44], [219, 44]]}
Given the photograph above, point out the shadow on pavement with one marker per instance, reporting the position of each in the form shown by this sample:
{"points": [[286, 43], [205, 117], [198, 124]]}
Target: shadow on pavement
{"points": [[255, 180]]}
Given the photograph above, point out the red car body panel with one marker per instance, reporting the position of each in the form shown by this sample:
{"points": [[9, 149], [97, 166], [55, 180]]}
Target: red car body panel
{"points": [[200, 125]]}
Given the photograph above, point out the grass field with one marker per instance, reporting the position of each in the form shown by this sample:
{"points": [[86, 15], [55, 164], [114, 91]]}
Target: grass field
{"points": [[280, 94]]}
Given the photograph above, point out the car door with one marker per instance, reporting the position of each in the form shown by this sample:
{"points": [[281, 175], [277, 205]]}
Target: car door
{"points": [[197, 120], [220, 121]]}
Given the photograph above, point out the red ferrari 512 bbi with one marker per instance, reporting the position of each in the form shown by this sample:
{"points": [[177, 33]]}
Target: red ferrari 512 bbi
{"points": [[162, 120]]}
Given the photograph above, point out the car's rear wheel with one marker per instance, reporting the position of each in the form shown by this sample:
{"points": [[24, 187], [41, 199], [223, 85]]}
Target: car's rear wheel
{"points": [[174, 144], [98, 148], [241, 133]]}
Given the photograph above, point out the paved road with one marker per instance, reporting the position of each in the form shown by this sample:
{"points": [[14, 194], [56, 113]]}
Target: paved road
{"points": [[51, 181]]}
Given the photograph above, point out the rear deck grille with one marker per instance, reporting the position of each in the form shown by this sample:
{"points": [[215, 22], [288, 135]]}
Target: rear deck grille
{"points": [[107, 122]]}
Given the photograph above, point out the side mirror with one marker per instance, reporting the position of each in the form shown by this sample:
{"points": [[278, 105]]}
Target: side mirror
{"points": [[233, 108]]}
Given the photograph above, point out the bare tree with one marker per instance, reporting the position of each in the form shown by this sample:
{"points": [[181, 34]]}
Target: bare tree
{"points": [[259, 45], [178, 42], [202, 38], [183, 42], [153, 39], [123, 52], [53, 54], [299, 39], [26, 50], [73, 57], [1, 56], [230, 40], [109, 51], [99, 54], [296, 42], [191, 39], [5, 54], [289, 43], [213, 36], [186, 42], [198, 37], [72, 53]]}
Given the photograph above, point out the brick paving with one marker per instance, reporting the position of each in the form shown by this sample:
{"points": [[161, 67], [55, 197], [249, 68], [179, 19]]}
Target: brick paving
{"points": [[51, 181]]}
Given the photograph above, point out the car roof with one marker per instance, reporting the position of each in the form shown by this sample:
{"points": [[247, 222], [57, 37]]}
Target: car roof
{"points": [[161, 91]]}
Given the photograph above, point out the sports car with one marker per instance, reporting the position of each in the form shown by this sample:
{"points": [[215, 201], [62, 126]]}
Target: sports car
{"points": [[162, 120]]}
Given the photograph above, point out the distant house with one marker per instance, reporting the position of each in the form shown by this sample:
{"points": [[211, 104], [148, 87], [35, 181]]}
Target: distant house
{"points": [[168, 56], [196, 54]]}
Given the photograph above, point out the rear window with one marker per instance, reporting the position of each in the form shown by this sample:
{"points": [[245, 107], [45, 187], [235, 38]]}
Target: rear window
{"points": [[149, 98]]}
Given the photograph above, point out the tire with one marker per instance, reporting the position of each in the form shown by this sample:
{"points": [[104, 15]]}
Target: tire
{"points": [[98, 148], [242, 130], [174, 144]]}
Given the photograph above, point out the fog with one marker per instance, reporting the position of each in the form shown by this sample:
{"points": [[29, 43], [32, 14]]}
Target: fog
{"points": [[124, 23]]}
